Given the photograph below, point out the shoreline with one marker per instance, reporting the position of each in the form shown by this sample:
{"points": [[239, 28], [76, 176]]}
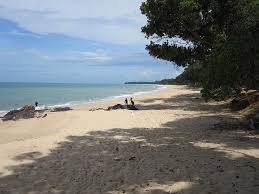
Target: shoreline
{"points": [[118, 99], [75, 104], [172, 144]]}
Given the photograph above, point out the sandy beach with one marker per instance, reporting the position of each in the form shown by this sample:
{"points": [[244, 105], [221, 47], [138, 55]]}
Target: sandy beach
{"points": [[175, 143]]}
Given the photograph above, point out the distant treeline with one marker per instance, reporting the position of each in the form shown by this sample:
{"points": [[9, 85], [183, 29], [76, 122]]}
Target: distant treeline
{"points": [[190, 76], [140, 83]]}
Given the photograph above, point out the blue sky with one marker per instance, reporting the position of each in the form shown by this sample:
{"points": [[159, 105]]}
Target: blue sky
{"points": [[76, 41]]}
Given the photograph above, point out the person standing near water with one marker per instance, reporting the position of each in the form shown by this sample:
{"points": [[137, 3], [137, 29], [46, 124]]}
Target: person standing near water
{"points": [[126, 101], [132, 102]]}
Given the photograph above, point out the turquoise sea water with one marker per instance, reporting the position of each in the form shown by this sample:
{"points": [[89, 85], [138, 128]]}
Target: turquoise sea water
{"points": [[15, 95]]}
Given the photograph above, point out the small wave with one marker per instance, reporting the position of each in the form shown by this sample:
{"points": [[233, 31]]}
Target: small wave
{"points": [[160, 87], [3, 112], [90, 101]]}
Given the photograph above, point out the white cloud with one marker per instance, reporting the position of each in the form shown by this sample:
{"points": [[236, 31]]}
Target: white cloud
{"points": [[101, 20], [29, 56], [98, 55], [149, 72], [18, 33], [84, 56]]}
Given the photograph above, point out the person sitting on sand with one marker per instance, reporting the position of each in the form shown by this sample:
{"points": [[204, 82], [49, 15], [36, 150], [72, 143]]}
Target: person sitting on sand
{"points": [[126, 101], [132, 102]]}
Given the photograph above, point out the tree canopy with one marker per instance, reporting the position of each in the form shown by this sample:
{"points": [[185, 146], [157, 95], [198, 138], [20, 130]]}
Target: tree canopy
{"points": [[221, 37]]}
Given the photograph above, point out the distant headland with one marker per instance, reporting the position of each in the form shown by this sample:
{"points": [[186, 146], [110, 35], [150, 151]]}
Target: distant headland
{"points": [[161, 82], [141, 82]]}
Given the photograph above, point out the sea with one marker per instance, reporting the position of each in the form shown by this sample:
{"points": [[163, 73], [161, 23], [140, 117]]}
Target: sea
{"points": [[48, 95]]}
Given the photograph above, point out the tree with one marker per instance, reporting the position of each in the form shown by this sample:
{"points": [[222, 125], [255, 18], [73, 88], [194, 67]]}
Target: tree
{"points": [[222, 36]]}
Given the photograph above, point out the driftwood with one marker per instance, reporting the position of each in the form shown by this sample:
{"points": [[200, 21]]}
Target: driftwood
{"points": [[28, 112], [244, 100], [116, 107], [95, 109], [132, 107], [61, 109]]}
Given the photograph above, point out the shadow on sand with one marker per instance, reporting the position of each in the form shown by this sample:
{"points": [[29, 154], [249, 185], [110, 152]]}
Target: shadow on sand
{"points": [[139, 161], [176, 158], [187, 102]]}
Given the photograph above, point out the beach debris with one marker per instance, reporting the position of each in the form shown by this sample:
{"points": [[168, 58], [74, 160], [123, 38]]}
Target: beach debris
{"points": [[29, 111], [132, 107], [239, 104], [116, 107], [27, 107], [61, 109], [41, 115], [117, 159], [244, 100], [95, 109], [132, 158], [26, 112]]}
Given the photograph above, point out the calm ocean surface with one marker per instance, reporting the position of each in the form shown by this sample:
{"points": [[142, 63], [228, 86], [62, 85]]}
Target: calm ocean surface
{"points": [[15, 95]]}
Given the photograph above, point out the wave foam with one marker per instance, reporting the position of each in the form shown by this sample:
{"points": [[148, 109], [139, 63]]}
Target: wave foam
{"points": [[3, 112], [90, 101]]}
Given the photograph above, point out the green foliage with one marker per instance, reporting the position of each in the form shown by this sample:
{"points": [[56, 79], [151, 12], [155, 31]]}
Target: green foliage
{"points": [[191, 75], [225, 36]]}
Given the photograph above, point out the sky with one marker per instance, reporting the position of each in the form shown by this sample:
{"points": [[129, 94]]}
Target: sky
{"points": [[76, 41]]}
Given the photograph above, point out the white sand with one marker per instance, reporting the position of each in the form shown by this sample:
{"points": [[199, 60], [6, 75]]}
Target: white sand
{"points": [[168, 146]]}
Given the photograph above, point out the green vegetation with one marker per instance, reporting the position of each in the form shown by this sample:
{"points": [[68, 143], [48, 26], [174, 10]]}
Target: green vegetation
{"points": [[191, 76], [218, 42]]}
